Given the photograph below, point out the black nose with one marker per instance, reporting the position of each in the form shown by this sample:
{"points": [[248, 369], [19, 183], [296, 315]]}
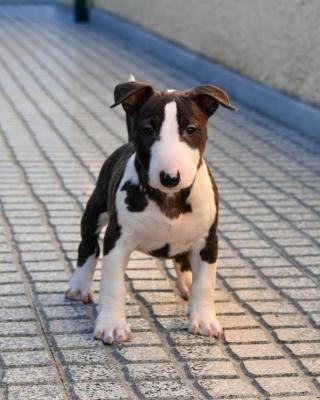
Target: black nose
{"points": [[169, 181]]}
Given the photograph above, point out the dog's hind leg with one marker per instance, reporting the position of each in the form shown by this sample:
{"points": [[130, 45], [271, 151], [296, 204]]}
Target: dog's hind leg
{"points": [[182, 266], [94, 218]]}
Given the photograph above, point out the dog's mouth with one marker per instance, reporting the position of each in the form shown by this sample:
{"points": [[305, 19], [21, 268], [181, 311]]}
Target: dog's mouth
{"points": [[164, 190], [169, 191]]}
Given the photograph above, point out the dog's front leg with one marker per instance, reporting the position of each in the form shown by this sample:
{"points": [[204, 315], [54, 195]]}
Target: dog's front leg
{"points": [[111, 324], [201, 310]]}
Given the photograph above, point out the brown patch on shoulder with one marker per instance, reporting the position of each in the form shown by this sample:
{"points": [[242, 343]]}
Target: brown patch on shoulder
{"points": [[209, 253], [112, 234], [216, 198]]}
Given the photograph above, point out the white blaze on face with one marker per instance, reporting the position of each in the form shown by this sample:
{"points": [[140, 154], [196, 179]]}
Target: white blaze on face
{"points": [[172, 155]]}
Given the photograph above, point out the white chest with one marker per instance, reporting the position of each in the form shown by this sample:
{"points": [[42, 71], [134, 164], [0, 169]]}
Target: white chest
{"points": [[151, 229], [155, 230]]}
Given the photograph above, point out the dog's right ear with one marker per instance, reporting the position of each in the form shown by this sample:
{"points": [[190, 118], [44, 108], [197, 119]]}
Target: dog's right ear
{"points": [[131, 95], [209, 97]]}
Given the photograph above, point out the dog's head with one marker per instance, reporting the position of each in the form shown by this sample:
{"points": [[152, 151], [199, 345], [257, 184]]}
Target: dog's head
{"points": [[169, 130]]}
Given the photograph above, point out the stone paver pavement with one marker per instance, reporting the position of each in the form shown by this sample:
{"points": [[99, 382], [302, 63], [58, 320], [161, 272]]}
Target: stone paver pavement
{"points": [[56, 129]]}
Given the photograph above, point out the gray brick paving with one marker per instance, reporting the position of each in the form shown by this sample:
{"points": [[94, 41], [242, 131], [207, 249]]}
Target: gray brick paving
{"points": [[56, 129]]}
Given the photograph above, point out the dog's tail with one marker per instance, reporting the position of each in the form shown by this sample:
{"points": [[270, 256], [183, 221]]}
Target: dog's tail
{"points": [[128, 118]]}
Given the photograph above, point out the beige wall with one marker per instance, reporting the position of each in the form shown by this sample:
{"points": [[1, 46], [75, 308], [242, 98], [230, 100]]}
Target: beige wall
{"points": [[276, 42]]}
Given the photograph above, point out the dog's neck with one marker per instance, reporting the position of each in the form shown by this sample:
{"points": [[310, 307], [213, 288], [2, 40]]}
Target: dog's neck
{"points": [[171, 205]]}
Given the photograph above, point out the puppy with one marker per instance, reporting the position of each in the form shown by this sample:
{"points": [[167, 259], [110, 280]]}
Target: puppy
{"points": [[157, 196]]}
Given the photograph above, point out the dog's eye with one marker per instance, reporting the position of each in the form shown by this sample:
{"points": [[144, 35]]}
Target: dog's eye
{"points": [[191, 129], [148, 129]]}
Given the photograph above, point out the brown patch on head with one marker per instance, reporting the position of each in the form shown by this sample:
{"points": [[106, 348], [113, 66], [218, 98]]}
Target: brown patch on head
{"points": [[195, 106], [192, 122]]}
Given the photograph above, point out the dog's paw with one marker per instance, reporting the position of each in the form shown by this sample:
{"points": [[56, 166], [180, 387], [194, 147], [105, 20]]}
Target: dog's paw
{"points": [[111, 330], [203, 321], [79, 288], [79, 294], [184, 282]]}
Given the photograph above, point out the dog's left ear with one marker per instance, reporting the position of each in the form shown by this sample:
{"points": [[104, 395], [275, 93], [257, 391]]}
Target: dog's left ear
{"points": [[131, 95], [209, 97]]}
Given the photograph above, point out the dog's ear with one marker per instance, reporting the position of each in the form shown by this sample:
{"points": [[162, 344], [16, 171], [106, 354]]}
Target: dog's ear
{"points": [[209, 97], [131, 95]]}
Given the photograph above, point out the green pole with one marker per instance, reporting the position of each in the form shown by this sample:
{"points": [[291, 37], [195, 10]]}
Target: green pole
{"points": [[81, 12]]}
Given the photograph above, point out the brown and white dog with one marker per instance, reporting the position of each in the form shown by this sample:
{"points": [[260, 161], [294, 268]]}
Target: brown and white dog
{"points": [[157, 196]]}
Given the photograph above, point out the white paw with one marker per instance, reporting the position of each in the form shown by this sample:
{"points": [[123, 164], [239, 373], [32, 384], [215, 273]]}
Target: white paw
{"points": [[112, 329], [203, 321], [184, 282], [80, 286]]}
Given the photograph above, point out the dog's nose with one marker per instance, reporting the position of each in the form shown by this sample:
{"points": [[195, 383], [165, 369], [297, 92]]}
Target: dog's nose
{"points": [[168, 180]]}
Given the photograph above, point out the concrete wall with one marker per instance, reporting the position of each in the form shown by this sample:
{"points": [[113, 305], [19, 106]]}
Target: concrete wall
{"points": [[276, 42], [65, 2]]}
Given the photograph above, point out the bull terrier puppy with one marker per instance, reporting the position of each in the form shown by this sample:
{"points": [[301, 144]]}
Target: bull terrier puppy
{"points": [[158, 196]]}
